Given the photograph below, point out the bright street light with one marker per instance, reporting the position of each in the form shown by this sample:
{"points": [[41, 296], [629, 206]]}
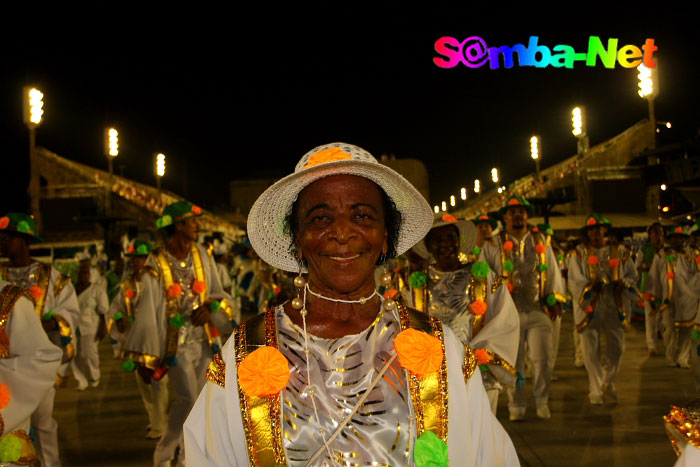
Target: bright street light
{"points": [[452, 200], [33, 107], [437, 209], [112, 142], [463, 194], [494, 175], [477, 186], [534, 148], [444, 206], [577, 121]]}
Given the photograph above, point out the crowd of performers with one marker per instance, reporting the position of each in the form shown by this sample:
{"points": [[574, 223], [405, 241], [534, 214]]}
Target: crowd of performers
{"points": [[499, 283]]}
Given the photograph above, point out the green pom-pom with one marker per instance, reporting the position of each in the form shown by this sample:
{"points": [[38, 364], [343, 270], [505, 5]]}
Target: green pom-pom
{"points": [[142, 250], [430, 451], [543, 267], [10, 449], [23, 227], [177, 321], [695, 335], [549, 232], [480, 269], [560, 258], [128, 365], [551, 299], [48, 315], [215, 306], [508, 266], [476, 251], [417, 279], [670, 258], [484, 367], [118, 315]]}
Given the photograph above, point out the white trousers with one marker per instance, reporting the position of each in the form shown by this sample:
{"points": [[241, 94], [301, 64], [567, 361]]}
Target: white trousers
{"points": [[46, 431], [186, 381], [609, 324], [155, 400], [492, 394], [578, 351], [86, 364], [680, 346], [651, 323], [536, 333], [670, 340], [556, 328]]}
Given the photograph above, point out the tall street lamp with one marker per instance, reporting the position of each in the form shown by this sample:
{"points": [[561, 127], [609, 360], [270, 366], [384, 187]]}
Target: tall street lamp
{"points": [[535, 152], [578, 123], [111, 151], [160, 169], [33, 111], [477, 186], [649, 89], [494, 175]]}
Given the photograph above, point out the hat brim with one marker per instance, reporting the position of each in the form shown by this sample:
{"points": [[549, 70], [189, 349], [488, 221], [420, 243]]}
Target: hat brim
{"points": [[585, 228], [266, 220], [504, 209], [492, 222], [33, 238], [467, 237], [182, 219]]}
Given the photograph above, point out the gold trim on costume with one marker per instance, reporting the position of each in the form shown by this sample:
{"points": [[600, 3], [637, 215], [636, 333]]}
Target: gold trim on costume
{"points": [[497, 360], [226, 307], [44, 275], [64, 330], [470, 363], [61, 282], [171, 304], [28, 454], [682, 424], [61, 381], [8, 298], [216, 373], [478, 287], [149, 361], [584, 323], [685, 324]]}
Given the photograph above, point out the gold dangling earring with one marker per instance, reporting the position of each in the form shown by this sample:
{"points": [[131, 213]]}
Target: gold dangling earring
{"points": [[299, 283], [385, 280]]}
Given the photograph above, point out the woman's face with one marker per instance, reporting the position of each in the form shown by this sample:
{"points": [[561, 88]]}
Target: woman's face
{"points": [[443, 243], [341, 233]]}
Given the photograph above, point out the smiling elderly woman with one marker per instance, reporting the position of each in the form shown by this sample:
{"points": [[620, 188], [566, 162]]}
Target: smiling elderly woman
{"points": [[339, 375]]}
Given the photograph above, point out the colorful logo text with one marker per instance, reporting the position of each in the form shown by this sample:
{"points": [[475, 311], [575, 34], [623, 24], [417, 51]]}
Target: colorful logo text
{"points": [[474, 53]]}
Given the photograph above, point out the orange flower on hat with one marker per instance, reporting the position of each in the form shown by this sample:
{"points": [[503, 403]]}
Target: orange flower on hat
{"points": [[175, 290], [614, 262], [130, 293], [131, 248], [589, 309], [647, 297], [536, 229], [540, 248], [483, 216], [448, 218], [670, 275], [478, 307], [4, 222], [513, 202], [508, 245], [196, 210], [418, 351], [198, 287], [36, 292], [593, 260], [263, 372], [679, 230], [591, 221], [510, 286], [482, 356], [4, 396], [327, 155]]}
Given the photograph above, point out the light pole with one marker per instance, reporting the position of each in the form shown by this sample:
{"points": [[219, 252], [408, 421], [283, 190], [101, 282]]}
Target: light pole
{"points": [[453, 201], [111, 151], [436, 208], [649, 89], [444, 206], [160, 170], [535, 152], [578, 123], [33, 111], [477, 186], [494, 175]]}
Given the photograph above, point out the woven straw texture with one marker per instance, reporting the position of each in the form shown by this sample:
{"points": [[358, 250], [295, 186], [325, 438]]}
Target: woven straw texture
{"points": [[266, 219]]}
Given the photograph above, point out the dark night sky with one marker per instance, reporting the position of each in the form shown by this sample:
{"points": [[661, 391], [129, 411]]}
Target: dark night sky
{"points": [[230, 94]]}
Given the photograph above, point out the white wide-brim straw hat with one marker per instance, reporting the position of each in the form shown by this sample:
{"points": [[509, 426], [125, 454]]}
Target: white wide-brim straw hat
{"points": [[467, 235], [266, 221]]}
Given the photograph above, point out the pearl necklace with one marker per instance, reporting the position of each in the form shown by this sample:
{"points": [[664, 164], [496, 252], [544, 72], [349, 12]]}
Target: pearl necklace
{"points": [[361, 300]]}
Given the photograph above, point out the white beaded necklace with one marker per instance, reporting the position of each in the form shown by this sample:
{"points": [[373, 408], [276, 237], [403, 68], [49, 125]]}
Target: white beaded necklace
{"points": [[361, 300]]}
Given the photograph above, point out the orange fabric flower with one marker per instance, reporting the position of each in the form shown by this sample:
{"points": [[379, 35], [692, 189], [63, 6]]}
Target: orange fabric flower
{"points": [[36, 292], [131, 249], [508, 245], [448, 218], [130, 294], [418, 351], [174, 290], [593, 260], [536, 229], [589, 309], [510, 286], [670, 275], [214, 332], [540, 249], [679, 230], [591, 221], [198, 287], [4, 396], [482, 356], [513, 202], [327, 155], [478, 307], [263, 372], [391, 293], [196, 210], [4, 222], [484, 216], [614, 262]]}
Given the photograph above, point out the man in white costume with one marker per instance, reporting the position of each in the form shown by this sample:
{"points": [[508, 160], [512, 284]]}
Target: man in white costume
{"points": [[279, 395], [93, 302], [470, 299], [55, 303], [535, 282], [643, 261], [121, 316], [28, 365], [179, 310], [601, 278]]}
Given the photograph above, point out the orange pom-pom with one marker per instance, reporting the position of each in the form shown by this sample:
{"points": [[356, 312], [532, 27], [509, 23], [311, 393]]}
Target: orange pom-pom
{"points": [[198, 287], [175, 290], [535, 229], [593, 260], [647, 297], [36, 292], [510, 286], [196, 210], [448, 218], [540, 249], [391, 293], [614, 262], [513, 202], [4, 222], [670, 275], [482, 356], [589, 309], [131, 248], [263, 372], [508, 245], [418, 352], [478, 307], [130, 294], [4, 396], [679, 230], [214, 332], [591, 221]]}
